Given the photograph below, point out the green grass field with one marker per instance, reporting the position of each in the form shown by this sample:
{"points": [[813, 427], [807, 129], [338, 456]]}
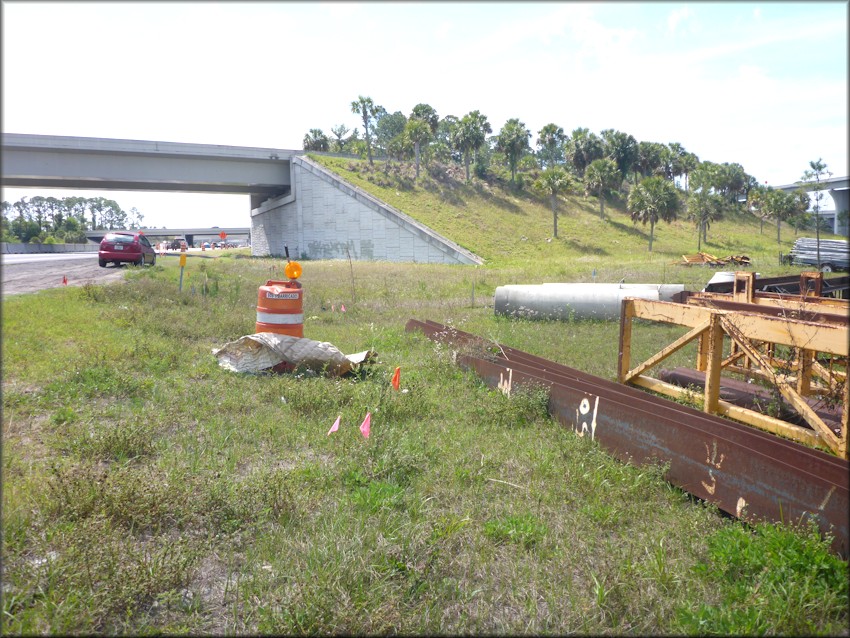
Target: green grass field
{"points": [[147, 490]]}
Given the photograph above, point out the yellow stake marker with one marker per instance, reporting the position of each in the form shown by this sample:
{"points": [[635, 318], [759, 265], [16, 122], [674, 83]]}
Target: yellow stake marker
{"points": [[182, 265]]}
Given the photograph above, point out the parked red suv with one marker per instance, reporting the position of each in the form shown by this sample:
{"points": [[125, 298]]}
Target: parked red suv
{"points": [[127, 247]]}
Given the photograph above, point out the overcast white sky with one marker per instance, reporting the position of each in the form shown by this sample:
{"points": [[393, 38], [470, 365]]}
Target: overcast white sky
{"points": [[763, 84]]}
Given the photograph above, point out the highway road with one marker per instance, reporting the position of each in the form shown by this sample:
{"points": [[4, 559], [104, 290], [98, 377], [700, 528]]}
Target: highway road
{"points": [[30, 272], [26, 273], [29, 258]]}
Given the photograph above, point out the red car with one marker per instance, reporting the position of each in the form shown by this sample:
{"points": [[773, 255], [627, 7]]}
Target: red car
{"points": [[127, 247]]}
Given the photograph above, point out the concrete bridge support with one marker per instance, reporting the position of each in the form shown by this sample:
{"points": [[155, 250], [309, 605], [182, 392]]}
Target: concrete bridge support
{"points": [[842, 205], [837, 188], [332, 219]]}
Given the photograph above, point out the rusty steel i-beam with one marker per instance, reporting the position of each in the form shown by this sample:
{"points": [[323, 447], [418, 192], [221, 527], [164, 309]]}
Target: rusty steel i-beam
{"points": [[746, 472]]}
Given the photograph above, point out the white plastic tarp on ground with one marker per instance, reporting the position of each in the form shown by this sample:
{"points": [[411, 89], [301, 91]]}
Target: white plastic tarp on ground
{"points": [[264, 350]]}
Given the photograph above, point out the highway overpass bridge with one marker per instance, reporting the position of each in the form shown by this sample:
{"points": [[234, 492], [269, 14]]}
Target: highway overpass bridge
{"points": [[837, 188], [294, 202]]}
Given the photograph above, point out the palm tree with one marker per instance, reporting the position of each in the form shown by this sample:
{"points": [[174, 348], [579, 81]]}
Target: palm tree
{"points": [[425, 114], [366, 108], [552, 182], [780, 206], [703, 208], [622, 148], [469, 134], [339, 132], [735, 181], [652, 200], [673, 160], [513, 142], [601, 178], [649, 158], [584, 148], [316, 140], [417, 132], [689, 163], [550, 145]]}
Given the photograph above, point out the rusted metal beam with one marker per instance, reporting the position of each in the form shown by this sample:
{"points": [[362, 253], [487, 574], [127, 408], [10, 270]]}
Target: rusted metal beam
{"points": [[744, 471]]}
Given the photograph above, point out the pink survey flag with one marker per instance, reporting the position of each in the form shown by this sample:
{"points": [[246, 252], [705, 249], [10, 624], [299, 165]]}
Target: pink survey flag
{"points": [[366, 426], [395, 380], [335, 426], [342, 308]]}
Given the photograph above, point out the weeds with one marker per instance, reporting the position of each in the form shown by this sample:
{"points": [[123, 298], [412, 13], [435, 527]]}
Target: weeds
{"points": [[770, 577], [97, 579], [523, 529]]}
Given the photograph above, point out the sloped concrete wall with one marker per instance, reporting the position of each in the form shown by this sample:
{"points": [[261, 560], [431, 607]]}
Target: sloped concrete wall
{"points": [[327, 218]]}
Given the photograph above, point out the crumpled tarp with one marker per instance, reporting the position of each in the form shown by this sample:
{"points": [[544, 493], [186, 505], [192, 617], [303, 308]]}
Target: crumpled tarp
{"points": [[265, 350]]}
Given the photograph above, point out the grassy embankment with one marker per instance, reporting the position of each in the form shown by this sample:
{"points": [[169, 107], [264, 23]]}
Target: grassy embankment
{"points": [[145, 489]]}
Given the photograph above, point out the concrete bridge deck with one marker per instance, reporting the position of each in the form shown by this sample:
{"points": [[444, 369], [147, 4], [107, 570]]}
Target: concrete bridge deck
{"points": [[96, 163]]}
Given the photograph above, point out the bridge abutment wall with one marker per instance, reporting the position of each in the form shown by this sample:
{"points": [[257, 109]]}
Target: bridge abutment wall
{"points": [[326, 217]]}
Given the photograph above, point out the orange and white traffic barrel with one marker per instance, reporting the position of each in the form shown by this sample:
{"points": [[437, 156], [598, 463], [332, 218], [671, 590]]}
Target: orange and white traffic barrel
{"points": [[280, 308]]}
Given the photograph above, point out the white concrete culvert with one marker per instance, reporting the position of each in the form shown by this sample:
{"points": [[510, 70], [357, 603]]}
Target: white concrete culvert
{"points": [[575, 300]]}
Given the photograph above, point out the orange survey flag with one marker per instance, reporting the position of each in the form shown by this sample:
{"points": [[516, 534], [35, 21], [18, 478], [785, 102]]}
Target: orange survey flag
{"points": [[395, 377]]}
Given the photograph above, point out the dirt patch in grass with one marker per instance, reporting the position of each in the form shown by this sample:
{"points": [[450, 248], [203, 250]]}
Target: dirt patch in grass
{"points": [[213, 583]]}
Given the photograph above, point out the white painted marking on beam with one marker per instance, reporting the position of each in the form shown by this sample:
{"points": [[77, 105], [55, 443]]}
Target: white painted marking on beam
{"points": [[505, 385], [584, 410], [826, 498]]}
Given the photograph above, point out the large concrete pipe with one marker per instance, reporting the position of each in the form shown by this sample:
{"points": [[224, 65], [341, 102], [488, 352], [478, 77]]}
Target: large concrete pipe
{"points": [[579, 301]]}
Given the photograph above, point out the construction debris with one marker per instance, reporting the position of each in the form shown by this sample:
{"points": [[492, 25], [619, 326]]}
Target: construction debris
{"points": [[704, 259], [284, 353]]}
